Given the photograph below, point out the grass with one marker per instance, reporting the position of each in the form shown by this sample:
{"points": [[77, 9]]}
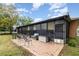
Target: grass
{"points": [[70, 51], [7, 48]]}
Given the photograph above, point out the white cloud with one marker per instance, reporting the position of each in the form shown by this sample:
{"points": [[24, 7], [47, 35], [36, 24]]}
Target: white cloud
{"points": [[56, 16], [58, 9], [62, 11], [9, 3], [38, 19], [65, 9], [56, 6], [48, 15], [36, 6], [22, 10], [30, 12]]}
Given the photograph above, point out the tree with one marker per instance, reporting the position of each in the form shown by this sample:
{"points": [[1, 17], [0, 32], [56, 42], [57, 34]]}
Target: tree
{"points": [[22, 20], [8, 16]]}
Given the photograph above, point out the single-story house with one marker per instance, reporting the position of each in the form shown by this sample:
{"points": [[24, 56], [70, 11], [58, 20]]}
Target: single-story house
{"points": [[56, 30]]}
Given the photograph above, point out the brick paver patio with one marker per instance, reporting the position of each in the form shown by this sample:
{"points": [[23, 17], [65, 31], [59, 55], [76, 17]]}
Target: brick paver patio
{"points": [[39, 48]]}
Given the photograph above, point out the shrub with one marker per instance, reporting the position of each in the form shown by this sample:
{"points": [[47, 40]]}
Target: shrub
{"points": [[72, 42], [77, 38]]}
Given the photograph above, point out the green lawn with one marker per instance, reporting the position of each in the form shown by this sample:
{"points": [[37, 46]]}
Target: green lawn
{"points": [[70, 51], [7, 48]]}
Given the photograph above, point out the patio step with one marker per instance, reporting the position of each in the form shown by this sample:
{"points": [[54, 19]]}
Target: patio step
{"points": [[58, 50]]}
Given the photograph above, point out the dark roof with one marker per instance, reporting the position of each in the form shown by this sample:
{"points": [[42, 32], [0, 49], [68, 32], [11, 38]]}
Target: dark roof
{"points": [[75, 18], [49, 20]]}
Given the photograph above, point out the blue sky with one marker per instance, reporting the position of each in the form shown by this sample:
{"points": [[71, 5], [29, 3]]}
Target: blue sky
{"points": [[43, 11]]}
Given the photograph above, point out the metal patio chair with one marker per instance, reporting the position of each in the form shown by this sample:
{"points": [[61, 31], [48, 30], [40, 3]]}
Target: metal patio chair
{"points": [[35, 36], [20, 38], [27, 39]]}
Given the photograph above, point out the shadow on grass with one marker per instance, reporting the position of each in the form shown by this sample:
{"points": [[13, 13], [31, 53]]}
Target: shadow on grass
{"points": [[7, 48], [25, 52]]}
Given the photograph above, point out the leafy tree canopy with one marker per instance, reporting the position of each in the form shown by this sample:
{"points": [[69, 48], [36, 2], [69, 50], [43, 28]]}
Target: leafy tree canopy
{"points": [[22, 20], [8, 16]]}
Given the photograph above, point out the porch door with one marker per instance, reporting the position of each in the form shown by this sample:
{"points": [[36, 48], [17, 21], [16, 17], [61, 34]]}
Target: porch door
{"points": [[59, 31]]}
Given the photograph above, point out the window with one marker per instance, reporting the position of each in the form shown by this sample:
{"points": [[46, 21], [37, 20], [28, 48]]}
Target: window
{"points": [[19, 29], [51, 26], [24, 28], [34, 27], [59, 27], [38, 27], [28, 28], [31, 27], [43, 26], [59, 31]]}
